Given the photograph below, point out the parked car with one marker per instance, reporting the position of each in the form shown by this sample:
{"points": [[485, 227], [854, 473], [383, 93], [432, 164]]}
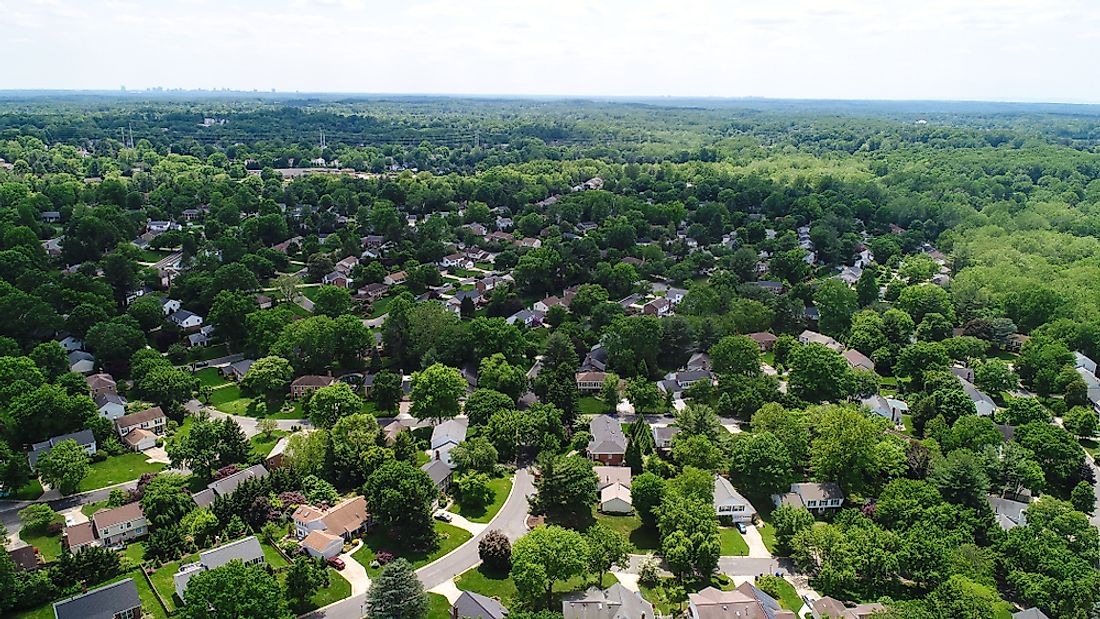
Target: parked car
{"points": [[336, 562], [741, 528], [443, 516]]}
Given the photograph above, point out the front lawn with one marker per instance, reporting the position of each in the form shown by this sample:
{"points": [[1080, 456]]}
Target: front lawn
{"points": [[211, 377], [589, 405], [733, 545], [501, 487], [788, 598], [31, 491], [767, 534], [642, 538], [669, 596], [117, 469], [338, 588], [263, 443], [450, 537], [488, 583], [1091, 446], [90, 508], [439, 607], [379, 307], [206, 353], [48, 545], [228, 400]]}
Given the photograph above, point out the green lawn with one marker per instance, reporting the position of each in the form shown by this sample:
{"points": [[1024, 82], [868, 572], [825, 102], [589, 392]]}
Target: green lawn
{"points": [[439, 607], [211, 377], [90, 508], [272, 556], [501, 487], [228, 400], [206, 353], [118, 469], [500, 586], [135, 552], [29, 492], [1091, 446], [733, 545], [767, 534], [295, 412], [643, 539], [908, 421], [151, 255], [451, 537], [48, 545], [669, 596], [262, 444], [589, 405], [338, 588], [788, 598], [381, 306], [166, 586]]}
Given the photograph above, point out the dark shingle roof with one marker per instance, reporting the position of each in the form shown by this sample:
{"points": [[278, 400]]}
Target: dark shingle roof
{"points": [[101, 603]]}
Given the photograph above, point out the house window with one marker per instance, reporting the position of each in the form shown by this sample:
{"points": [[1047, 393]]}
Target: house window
{"points": [[811, 503]]}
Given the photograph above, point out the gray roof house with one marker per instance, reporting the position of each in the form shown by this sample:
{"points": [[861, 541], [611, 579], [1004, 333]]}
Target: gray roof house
{"points": [[245, 550], [471, 605], [83, 438], [228, 485], [1030, 613], [816, 497], [1008, 513], [113, 601], [728, 502], [984, 404], [615, 602], [608, 444]]}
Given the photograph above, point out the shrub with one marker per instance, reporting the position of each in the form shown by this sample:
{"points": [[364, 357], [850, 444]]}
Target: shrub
{"points": [[495, 551], [384, 556]]}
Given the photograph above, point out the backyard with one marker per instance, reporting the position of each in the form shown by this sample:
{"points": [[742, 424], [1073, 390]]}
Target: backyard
{"points": [[501, 487], [211, 377], [118, 469], [450, 537], [149, 603]]}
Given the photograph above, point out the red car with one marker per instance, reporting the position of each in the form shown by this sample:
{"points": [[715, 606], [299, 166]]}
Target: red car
{"points": [[336, 562]]}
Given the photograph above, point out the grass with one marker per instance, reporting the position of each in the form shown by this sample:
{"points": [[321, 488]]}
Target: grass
{"points": [[488, 583], [149, 603], [668, 597], [228, 400], [1091, 446], [379, 307], [483, 514], [163, 580], [438, 607], [206, 353], [262, 444], [48, 545], [788, 598], [907, 420], [767, 534], [150, 255], [31, 491], [589, 405], [211, 377], [451, 537], [733, 545], [272, 556], [118, 469], [134, 551], [338, 588], [642, 538], [90, 508]]}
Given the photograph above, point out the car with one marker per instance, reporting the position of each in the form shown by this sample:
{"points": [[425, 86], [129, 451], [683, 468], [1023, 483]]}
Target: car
{"points": [[443, 516], [336, 562], [741, 528]]}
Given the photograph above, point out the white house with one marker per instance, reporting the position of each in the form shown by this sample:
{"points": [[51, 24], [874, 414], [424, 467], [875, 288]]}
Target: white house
{"points": [[247, 551], [444, 438], [110, 405], [614, 487], [81, 362], [322, 533], [116, 526], [816, 497], [170, 306], [728, 502], [887, 408]]}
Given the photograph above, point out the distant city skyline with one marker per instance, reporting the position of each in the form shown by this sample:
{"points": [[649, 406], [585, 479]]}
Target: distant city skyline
{"points": [[981, 50]]}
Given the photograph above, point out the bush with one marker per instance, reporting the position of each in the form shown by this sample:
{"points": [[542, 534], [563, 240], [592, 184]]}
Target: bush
{"points": [[473, 489], [648, 572], [384, 556], [38, 517], [495, 551]]}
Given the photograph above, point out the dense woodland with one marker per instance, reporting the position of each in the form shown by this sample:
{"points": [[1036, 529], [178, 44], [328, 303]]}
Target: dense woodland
{"points": [[979, 225]]}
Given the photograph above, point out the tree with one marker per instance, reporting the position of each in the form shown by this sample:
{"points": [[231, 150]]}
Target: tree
{"points": [[401, 496], [472, 489], [397, 594], [235, 591], [386, 390], [919, 358], [287, 287], [1056, 451], [165, 500], [304, 577], [267, 426], [791, 427], [497, 374], [38, 516], [607, 548], [566, 488], [789, 522], [867, 288], [995, 376], [923, 299], [851, 449], [699, 419], [115, 342], [699, 452], [14, 471], [818, 373], [643, 395], [546, 555], [268, 376], [1083, 498], [475, 454], [168, 387], [761, 462], [64, 466], [1080, 421], [961, 478], [328, 404], [436, 392], [1019, 411], [836, 303], [934, 328], [610, 393], [331, 301], [495, 551], [50, 357], [736, 354], [646, 492], [229, 313], [482, 404]]}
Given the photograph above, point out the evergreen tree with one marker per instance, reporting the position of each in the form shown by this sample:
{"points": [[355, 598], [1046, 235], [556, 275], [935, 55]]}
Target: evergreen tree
{"points": [[397, 594]]}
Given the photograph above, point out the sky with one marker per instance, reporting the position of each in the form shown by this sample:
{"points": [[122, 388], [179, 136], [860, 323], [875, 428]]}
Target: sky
{"points": [[993, 50]]}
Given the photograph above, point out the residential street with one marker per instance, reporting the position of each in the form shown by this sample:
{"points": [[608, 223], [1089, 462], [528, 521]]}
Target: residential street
{"points": [[248, 424]]}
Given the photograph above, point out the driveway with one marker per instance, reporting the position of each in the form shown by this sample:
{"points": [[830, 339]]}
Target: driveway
{"points": [[354, 572], [157, 454], [757, 549], [249, 424]]}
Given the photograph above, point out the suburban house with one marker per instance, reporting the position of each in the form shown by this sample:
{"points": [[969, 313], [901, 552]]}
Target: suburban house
{"points": [[471, 605], [590, 382], [201, 337], [149, 421], [322, 533], [764, 340], [305, 385], [983, 404], [658, 307], [596, 359], [114, 601], [457, 261], [185, 320], [613, 484], [274, 457], [698, 361], [1080, 361], [444, 438], [744, 602], [1008, 513], [813, 337], [615, 602], [84, 439], [1030, 613], [79, 536], [70, 343], [170, 306], [346, 265], [25, 558], [336, 278], [440, 474], [114, 527], [887, 408], [245, 550], [50, 217], [832, 608], [728, 502], [101, 384], [526, 317], [395, 279], [608, 444], [110, 406], [81, 362], [816, 497], [237, 370], [228, 484], [858, 361], [372, 292], [662, 437]]}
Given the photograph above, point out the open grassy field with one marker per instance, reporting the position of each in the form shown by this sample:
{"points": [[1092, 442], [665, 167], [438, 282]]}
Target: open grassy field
{"points": [[117, 469]]}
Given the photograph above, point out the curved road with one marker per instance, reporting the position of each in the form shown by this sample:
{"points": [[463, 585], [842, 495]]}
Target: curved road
{"points": [[511, 519]]}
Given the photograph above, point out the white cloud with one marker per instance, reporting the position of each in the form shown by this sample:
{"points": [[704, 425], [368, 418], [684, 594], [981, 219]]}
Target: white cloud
{"points": [[980, 49]]}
